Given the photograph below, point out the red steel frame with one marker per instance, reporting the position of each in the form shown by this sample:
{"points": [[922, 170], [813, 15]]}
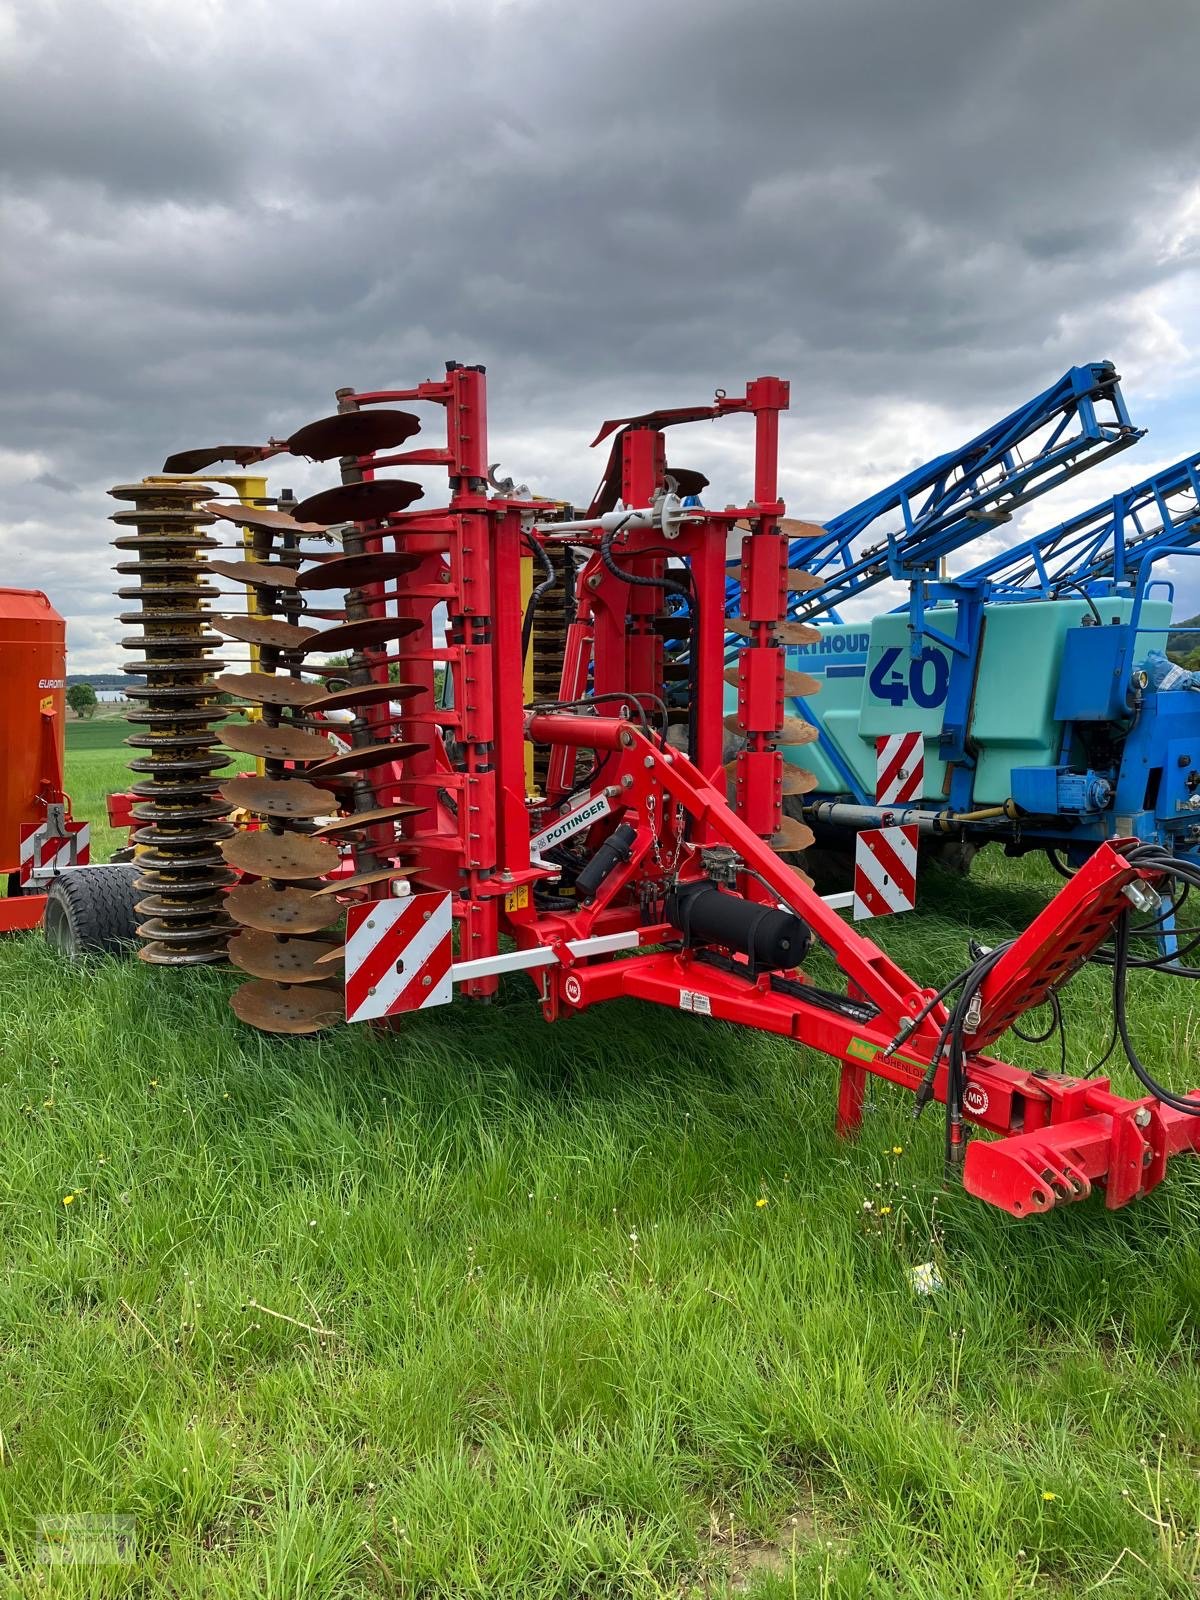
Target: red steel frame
{"points": [[1059, 1135]]}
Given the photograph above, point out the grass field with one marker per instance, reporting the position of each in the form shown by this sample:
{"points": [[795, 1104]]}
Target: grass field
{"points": [[490, 1308]]}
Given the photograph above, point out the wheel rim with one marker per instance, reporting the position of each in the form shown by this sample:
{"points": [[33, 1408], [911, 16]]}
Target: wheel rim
{"points": [[57, 927]]}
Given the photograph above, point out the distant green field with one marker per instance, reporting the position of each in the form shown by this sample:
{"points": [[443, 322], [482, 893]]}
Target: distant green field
{"points": [[490, 1308]]}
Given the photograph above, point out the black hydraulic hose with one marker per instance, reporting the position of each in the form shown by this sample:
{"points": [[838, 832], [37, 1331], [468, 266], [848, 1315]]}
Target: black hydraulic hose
{"points": [[548, 582], [686, 591]]}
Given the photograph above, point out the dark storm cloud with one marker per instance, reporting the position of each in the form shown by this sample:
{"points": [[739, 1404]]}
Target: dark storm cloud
{"points": [[213, 215]]}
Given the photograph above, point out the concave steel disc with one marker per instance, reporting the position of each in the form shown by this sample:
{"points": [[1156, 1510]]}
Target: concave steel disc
{"points": [[166, 693], [278, 797], [178, 716], [792, 836], [177, 887], [794, 683], [364, 694], [166, 955], [165, 905], [172, 740], [364, 880], [798, 582], [259, 574], [687, 480], [362, 821], [357, 635], [159, 544], [201, 456], [180, 833], [177, 789], [166, 930], [177, 667], [199, 812], [354, 433], [265, 631], [167, 866], [798, 780], [793, 731], [258, 905], [279, 855], [360, 502], [271, 688], [274, 744], [274, 1008], [783, 632], [795, 780], [184, 589], [164, 567], [362, 760], [200, 765], [262, 517], [284, 959], [351, 572], [793, 528]]}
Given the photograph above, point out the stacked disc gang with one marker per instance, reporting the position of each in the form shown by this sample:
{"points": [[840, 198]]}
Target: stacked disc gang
{"points": [[179, 811], [324, 748], [278, 916]]}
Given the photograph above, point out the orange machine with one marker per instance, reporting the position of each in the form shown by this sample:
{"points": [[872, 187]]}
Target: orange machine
{"points": [[37, 834]]}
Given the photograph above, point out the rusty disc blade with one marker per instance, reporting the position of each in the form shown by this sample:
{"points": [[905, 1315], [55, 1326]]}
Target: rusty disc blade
{"points": [[258, 905], [795, 684], [800, 873], [265, 517], [360, 821], [687, 480], [798, 582], [364, 880], [270, 688], [360, 502], [275, 1008], [793, 528], [365, 694], [370, 755], [279, 855], [793, 731], [784, 632], [274, 744], [354, 433], [351, 572], [796, 731], [362, 635], [278, 797], [265, 631], [169, 955], [280, 957], [202, 456], [262, 575], [798, 780], [792, 836]]}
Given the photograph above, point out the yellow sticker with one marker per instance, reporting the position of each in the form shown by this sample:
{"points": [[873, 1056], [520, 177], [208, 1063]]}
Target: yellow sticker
{"points": [[47, 703], [517, 899]]}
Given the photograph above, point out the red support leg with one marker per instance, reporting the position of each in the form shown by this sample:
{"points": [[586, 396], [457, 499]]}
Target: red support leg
{"points": [[852, 1089]]}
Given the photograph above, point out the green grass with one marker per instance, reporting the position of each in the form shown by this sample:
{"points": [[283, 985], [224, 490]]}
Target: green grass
{"points": [[491, 1308]]}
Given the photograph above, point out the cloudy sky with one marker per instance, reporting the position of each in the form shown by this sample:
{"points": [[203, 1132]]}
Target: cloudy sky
{"points": [[213, 214]]}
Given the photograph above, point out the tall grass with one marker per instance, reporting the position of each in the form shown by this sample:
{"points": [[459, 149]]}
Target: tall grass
{"points": [[489, 1308]]}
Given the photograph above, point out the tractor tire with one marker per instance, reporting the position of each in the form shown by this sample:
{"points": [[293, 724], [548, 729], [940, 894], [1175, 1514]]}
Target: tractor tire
{"points": [[89, 911]]}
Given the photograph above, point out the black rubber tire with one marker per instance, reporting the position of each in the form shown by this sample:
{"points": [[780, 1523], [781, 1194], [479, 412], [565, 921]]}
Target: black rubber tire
{"points": [[89, 911]]}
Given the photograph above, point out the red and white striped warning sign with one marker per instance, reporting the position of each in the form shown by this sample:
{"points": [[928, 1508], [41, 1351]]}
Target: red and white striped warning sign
{"points": [[885, 872], [398, 956], [43, 853], [899, 768]]}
